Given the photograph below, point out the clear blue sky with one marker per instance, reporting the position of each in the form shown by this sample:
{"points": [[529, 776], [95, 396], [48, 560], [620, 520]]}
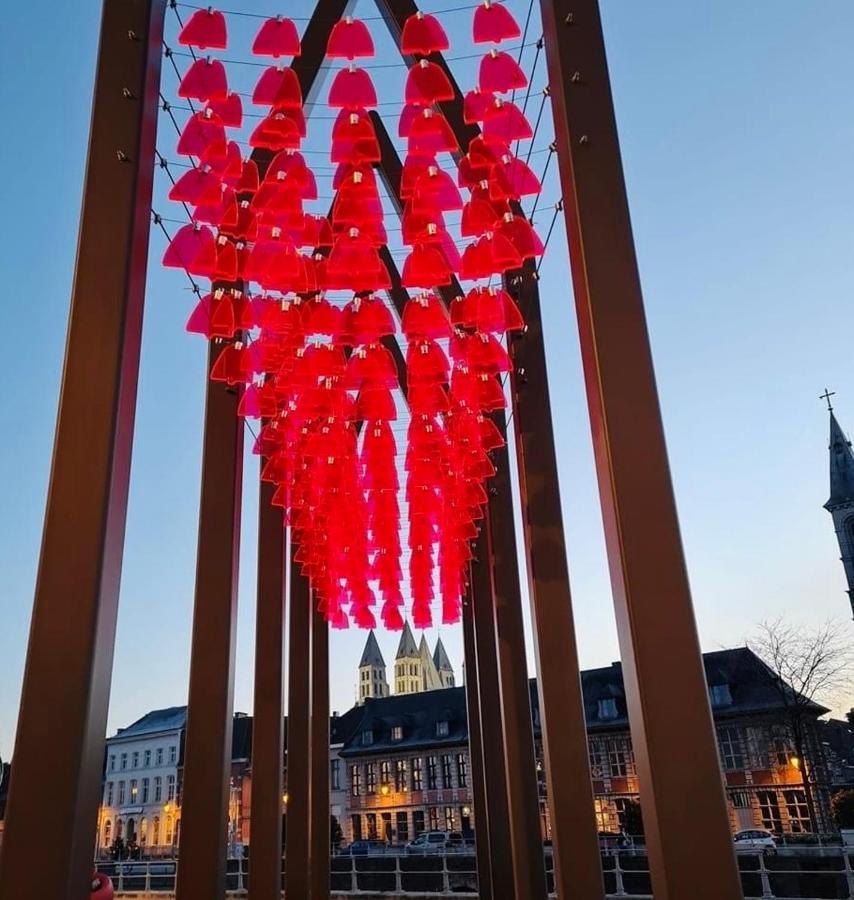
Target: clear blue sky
{"points": [[737, 127]]}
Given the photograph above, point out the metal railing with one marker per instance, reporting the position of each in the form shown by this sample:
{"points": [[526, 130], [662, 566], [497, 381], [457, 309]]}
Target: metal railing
{"points": [[782, 875]]}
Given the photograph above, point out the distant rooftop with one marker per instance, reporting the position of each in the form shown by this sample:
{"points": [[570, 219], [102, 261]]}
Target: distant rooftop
{"points": [[170, 719]]}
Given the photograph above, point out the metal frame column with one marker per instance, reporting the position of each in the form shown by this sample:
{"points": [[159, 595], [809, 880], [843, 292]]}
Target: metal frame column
{"points": [[66, 686], [662, 665], [207, 746], [265, 863]]}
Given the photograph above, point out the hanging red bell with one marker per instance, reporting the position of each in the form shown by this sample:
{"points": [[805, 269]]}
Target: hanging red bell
{"points": [[519, 177], [204, 80], [427, 84], [426, 362], [198, 186], [248, 182], [277, 37], [493, 23], [519, 231], [349, 39], [431, 133], [476, 105], [375, 403], [478, 218], [205, 29], [367, 319], [505, 122], [435, 190], [351, 89], [193, 248], [425, 267], [278, 86], [276, 132], [422, 35], [232, 364], [424, 316], [203, 132], [500, 73]]}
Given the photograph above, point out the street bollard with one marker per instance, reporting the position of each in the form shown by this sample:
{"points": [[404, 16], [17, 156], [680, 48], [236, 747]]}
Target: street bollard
{"points": [[619, 887]]}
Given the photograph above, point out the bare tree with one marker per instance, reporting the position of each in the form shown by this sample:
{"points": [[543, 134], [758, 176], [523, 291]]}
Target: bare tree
{"points": [[809, 666]]}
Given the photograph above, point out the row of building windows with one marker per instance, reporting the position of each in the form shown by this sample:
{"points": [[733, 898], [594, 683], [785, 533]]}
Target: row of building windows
{"points": [[408, 774], [741, 749], [146, 759], [394, 827], [133, 792], [127, 831]]}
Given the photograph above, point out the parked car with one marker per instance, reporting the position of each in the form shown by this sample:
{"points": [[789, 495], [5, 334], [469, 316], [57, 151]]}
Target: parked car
{"points": [[753, 839], [431, 842], [365, 848]]}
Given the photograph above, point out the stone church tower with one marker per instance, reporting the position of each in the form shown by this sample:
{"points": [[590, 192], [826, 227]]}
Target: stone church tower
{"points": [[443, 665], [372, 671], [407, 664], [841, 502]]}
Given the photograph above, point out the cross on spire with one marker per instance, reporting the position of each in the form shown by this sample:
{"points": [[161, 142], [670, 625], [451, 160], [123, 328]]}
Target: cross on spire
{"points": [[826, 396]]}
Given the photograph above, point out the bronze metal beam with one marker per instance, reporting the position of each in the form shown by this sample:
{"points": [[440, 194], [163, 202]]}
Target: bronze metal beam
{"points": [[265, 863], [66, 688], [493, 762], [478, 775], [297, 848], [207, 747], [662, 665], [576, 854], [320, 836]]}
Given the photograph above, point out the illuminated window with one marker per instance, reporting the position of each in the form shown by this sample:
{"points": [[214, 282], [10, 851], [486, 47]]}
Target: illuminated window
{"points": [[355, 780], [385, 771], [400, 775], [371, 778], [108, 832], [169, 828], [417, 774], [431, 773], [433, 815], [397, 732], [450, 819], [143, 831], [447, 781], [799, 813], [134, 791], [371, 821], [155, 830]]}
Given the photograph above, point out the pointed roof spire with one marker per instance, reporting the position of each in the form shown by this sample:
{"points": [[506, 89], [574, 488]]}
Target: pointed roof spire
{"points": [[429, 673], [372, 655], [440, 657], [841, 467], [406, 648]]}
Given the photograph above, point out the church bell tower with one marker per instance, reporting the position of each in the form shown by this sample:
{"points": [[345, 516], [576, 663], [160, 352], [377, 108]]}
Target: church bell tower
{"points": [[841, 502]]}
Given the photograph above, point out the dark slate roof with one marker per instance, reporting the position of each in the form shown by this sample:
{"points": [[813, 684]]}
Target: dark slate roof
{"points": [[343, 727], [841, 467], [406, 648], [175, 717], [752, 688], [752, 691], [418, 715], [372, 656], [440, 657], [241, 737]]}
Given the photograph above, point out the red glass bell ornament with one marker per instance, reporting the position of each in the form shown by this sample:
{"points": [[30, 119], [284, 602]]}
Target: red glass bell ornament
{"points": [[192, 248], [493, 23], [424, 317], [354, 139], [414, 166], [505, 122], [371, 365], [349, 39], [481, 352], [321, 317], [392, 619], [427, 84], [229, 108], [200, 319], [248, 182], [478, 218], [431, 133], [500, 73], [278, 86], [230, 168], [407, 116], [425, 267], [422, 35], [490, 393], [232, 364], [205, 29], [492, 309], [367, 319], [476, 105], [435, 190], [519, 176], [426, 362], [276, 132], [375, 403], [226, 260], [519, 231], [198, 186], [352, 89], [476, 262], [430, 399], [204, 80], [258, 402], [277, 37], [204, 130]]}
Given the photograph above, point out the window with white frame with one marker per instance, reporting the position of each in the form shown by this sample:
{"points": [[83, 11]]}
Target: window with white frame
{"points": [[121, 793], [798, 810], [134, 759], [146, 758], [158, 789], [145, 786], [371, 778], [159, 756], [108, 794], [335, 774], [124, 761], [731, 746], [170, 787], [400, 773], [462, 770], [355, 780], [397, 732], [447, 780], [173, 755], [417, 774]]}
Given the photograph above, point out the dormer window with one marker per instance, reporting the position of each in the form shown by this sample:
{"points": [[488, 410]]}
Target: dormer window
{"points": [[442, 728], [367, 737], [720, 695], [397, 732], [608, 708]]}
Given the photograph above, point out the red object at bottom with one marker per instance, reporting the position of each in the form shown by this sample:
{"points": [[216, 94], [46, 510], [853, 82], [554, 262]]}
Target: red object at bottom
{"points": [[102, 887]]}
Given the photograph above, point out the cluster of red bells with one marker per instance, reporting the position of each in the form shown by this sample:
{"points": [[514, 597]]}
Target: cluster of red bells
{"points": [[318, 375]]}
